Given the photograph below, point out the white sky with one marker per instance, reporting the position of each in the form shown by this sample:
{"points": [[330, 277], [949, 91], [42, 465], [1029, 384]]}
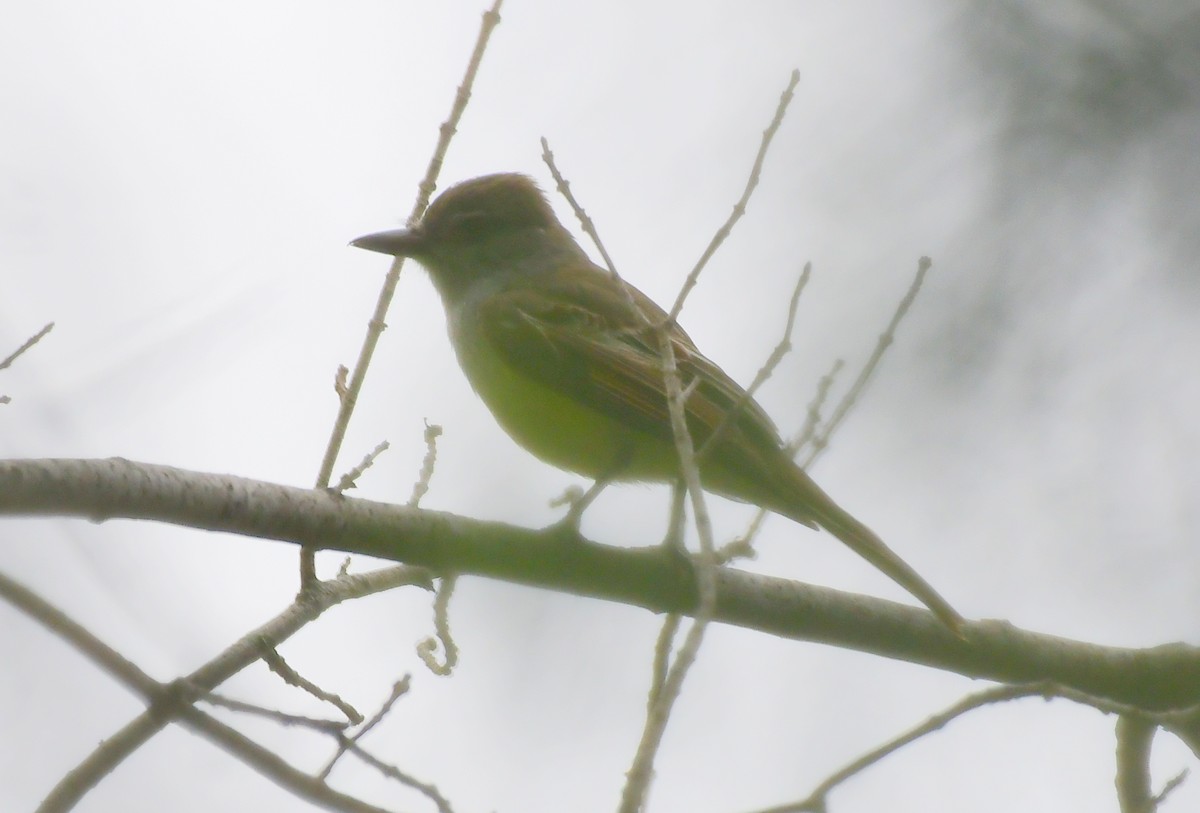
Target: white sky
{"points": [[178, 182]]}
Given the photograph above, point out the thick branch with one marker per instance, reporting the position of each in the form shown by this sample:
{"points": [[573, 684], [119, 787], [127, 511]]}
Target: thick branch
{"points": [[1162, 678]]}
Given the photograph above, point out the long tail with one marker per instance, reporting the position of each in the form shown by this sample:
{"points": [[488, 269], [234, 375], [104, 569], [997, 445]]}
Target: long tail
{"points": [[863, 541]]}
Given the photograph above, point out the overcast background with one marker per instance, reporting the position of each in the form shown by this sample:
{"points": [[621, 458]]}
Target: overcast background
{"points": [[178, 182]]}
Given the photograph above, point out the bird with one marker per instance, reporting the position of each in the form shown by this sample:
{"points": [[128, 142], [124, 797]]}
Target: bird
{"points": [[566, 355]]}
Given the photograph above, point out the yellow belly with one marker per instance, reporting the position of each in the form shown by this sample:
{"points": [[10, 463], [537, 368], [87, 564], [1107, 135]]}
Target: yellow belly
{"points": [[565, 432], [559, 429]]}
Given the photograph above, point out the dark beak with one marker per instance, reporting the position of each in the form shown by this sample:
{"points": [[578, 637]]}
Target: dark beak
{"points": [[397, 242]]}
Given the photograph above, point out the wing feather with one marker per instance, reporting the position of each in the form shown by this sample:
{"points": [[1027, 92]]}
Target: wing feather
{"points": [[577, 333]]}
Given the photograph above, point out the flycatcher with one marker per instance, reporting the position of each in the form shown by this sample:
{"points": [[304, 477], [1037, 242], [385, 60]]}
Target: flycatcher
{"points": [[557, 349]]}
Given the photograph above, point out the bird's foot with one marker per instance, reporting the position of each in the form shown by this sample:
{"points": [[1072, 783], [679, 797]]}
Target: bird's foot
{"points": [[577, 501]]}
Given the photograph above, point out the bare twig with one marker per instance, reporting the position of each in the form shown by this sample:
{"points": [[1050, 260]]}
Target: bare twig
{"points": [[399, 689], [308, 571], [739, 208], [270, 764], [75, 634], [816, 801], [1169, 788], [279, 666], [30, 342], [351, 477], [172, 701], [392, 772], [169, 702], [662, 657], [666, 689], [856, 389], [812, 418], [768, 367], [589, 228], [743, 545], [427, 649], [432, 433], [283, 718], [637, 784], [336, 729]]}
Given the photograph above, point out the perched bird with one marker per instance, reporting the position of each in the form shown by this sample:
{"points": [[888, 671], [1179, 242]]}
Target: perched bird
{"points": [[564, 355]]}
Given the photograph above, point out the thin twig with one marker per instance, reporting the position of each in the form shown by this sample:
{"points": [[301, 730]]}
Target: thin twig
{"points": [[267, 763], [743, 546], [421, 487], [666, 690], [168, 702], [589, 228], [283, 718], [336, 729], [638, 778], [349, 479], [768, 367], [427, 649], [1169, 788], [399, 689], [637, 784], [812, 419], [393, 772], [78, 636], [662, 657], [885, 340], [30, 342], [279, 666], [739, 208], [816, 801], [308, 569]]}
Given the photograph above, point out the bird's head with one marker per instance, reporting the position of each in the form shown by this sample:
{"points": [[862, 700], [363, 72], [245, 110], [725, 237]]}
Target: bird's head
{"points": [[487, 226]]}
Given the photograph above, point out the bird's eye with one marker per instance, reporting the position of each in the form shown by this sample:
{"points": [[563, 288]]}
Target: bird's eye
{"points": [[465, 223]]}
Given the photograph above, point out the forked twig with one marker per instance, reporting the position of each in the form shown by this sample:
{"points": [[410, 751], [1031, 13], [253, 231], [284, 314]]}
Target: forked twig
{"points": [[399, 689], [168, 702], [392, 772], [666, 690]]}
